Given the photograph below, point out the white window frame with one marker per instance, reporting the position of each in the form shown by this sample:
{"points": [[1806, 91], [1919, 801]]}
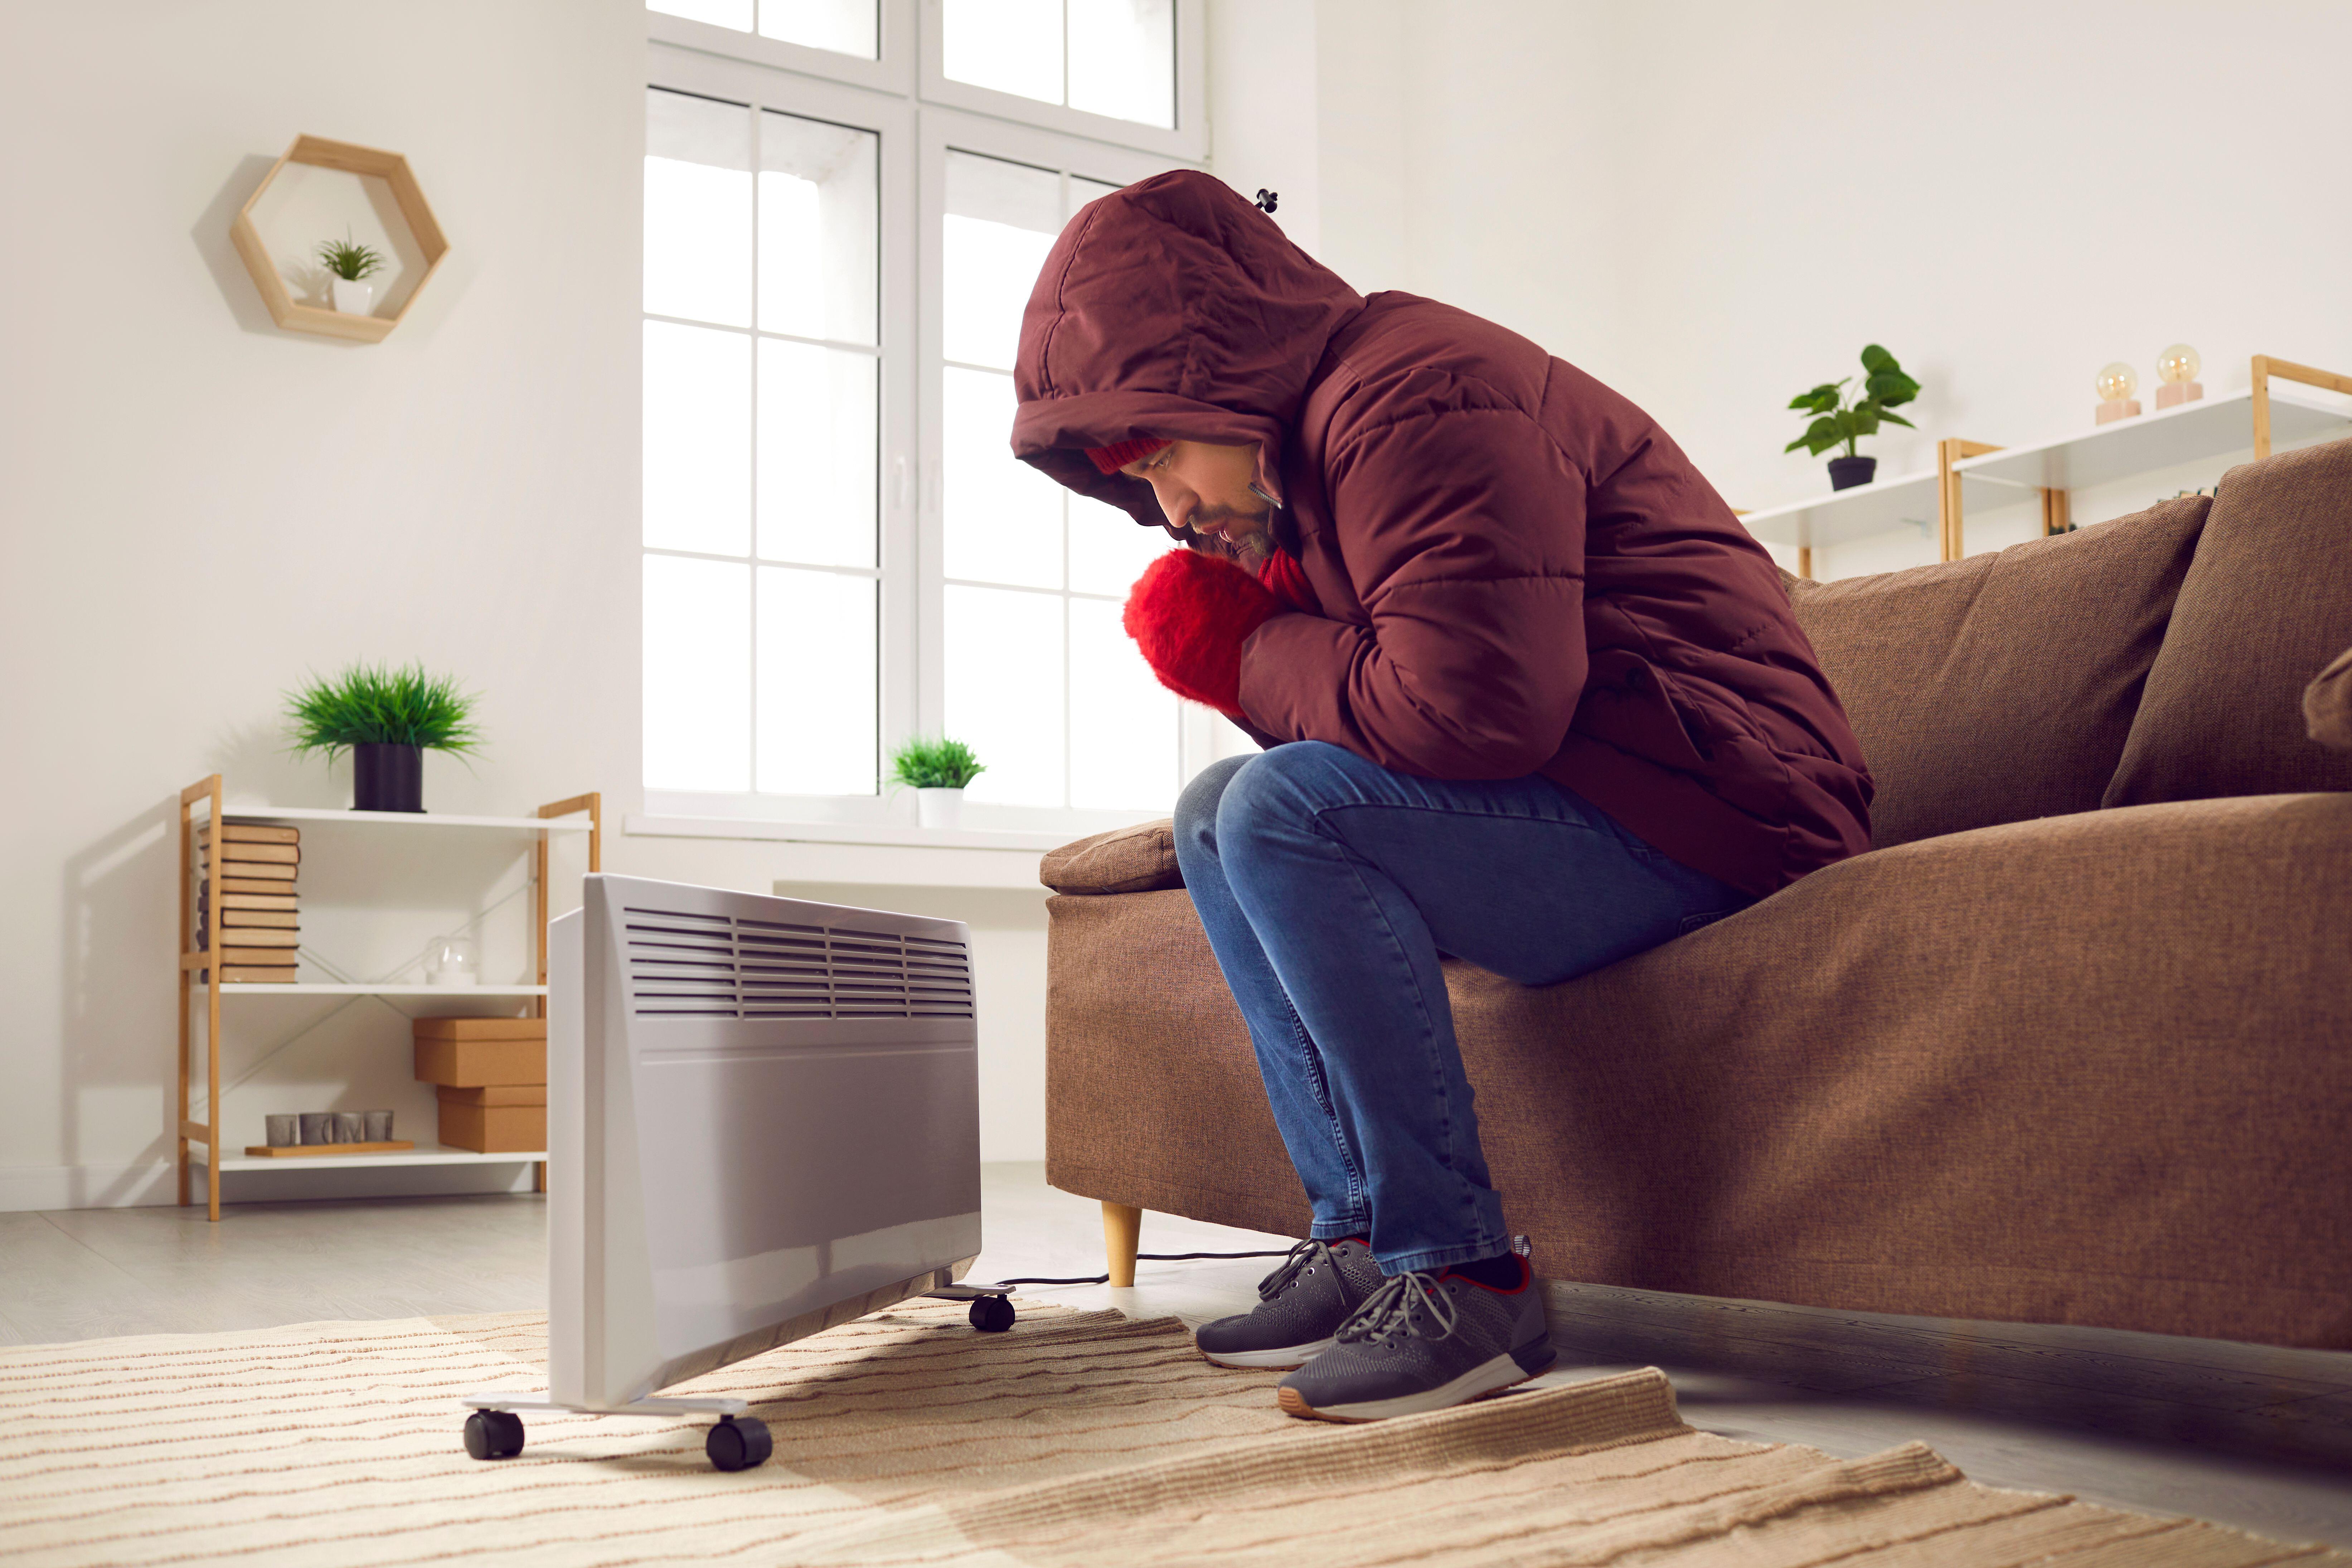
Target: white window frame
{"points": [[882, 96], [1187, 142]]}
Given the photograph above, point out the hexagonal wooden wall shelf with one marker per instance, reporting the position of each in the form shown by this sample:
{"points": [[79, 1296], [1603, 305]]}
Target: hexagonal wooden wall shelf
{"points": [[418, 252]]}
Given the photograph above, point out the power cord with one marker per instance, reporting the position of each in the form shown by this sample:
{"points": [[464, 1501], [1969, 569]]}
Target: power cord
{"points": [[1148, 1257]]}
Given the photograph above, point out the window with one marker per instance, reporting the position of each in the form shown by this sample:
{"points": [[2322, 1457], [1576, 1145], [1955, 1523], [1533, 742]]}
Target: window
{"points": [[840, 26], [1106, 57], [1034, 576], [840, 551]]}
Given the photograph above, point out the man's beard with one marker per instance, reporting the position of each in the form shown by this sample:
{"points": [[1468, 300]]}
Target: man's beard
{"points": [[1250, 542]]}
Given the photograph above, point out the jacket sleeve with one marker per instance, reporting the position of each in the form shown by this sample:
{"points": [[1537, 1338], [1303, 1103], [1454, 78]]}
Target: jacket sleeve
{"points": [[1461, 526]]}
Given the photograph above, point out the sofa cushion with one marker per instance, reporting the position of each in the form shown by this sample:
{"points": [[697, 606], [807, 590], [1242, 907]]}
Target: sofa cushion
{"points": [[2328, 704], [2268, 602], [1124, 860], [2002, 687]]}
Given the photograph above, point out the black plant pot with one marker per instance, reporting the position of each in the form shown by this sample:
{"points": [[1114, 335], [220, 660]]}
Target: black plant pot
{"points": [[1847, 473], [387, 777]]}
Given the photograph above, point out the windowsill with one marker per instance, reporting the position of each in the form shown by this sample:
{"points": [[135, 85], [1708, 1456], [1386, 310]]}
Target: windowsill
{"points": [[1002, 840]]}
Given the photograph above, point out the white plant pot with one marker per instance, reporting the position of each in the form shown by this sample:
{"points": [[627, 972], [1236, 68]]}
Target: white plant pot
{"points": [[354, 296], [940, 808]]}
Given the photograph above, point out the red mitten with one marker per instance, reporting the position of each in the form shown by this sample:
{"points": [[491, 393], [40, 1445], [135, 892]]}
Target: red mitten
{"points": [[1286, 579], [1190, 613]]}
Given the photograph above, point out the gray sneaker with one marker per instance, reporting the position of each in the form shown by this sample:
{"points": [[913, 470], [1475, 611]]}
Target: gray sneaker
{"points": [[1299, 1307], [1423, 1342]]}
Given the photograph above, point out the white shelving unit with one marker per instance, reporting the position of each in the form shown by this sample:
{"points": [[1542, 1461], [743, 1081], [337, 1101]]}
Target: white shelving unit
{"points": [[1974, 475], [203, 802], [423, 1154]]}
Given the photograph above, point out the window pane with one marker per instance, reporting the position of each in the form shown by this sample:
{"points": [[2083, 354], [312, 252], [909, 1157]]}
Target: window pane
{"points": [[735, 14], [1107, 549], [1123, 59], [819, 205], [818, 728], [1000, 221], [698, 439], [1003, 519], [1012, 45], [1004, 690], [698, 632], [844, 26], [698, 209], [1122, 720], [818, 454]]}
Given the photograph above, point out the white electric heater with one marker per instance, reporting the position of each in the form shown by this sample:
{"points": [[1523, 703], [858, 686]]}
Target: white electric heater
{"points": [[763, 1120]]}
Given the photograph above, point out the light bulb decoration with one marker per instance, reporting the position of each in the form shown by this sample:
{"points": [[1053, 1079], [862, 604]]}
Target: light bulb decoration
{"points": [[2176, 376], [2116, 385]]}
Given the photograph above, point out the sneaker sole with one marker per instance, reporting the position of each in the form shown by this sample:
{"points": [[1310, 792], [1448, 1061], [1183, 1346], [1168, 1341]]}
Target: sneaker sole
{"points": [[1285, 1358], [1481, 1382]]}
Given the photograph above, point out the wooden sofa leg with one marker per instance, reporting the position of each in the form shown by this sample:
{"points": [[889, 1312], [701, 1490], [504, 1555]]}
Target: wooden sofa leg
{"points": [[1122, 1230]]}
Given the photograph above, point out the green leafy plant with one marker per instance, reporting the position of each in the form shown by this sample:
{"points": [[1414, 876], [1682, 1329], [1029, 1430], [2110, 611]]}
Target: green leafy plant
{"points": [[347, 260], [935, 763], [378, 705], [1838, 423]]}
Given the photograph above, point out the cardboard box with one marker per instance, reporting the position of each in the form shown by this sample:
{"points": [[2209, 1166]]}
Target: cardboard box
{"points": [[494, 1129], [494, 1094], [481, 1028], [471, 1059]]}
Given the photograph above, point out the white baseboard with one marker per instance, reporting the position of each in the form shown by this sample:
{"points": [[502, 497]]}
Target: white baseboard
{"points": [[36, 1188]]}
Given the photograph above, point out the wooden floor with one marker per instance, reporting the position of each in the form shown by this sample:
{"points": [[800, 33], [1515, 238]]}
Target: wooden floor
{"points": [[2243, 1435]]}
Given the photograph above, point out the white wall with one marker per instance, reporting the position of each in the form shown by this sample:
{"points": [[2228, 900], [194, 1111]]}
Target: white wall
{"points": [[199, 508], [1712, 206]]}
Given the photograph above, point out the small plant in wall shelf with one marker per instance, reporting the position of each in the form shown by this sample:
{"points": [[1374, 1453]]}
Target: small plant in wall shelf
{"points": [[387, 718], [1840, 422], [350, 265], [937, 770]]}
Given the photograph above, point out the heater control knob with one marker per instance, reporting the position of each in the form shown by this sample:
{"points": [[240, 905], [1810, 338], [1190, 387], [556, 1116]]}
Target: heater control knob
{"points": [[991, 1314]]}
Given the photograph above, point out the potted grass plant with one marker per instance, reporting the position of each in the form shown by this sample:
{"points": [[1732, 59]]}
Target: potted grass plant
{"points": [[350, 265], [1840, 419], [387, 718], [937, 770]]}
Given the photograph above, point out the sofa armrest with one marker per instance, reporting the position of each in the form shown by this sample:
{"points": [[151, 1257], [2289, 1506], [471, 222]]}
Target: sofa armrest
{"points": [[1138, 859]]}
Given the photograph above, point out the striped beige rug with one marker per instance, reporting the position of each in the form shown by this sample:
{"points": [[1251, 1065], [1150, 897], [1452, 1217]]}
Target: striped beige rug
{"points": [[1079, 1438]]}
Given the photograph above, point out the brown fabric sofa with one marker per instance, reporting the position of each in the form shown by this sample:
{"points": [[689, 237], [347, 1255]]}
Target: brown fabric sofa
{"points": [[2072, 1044]]}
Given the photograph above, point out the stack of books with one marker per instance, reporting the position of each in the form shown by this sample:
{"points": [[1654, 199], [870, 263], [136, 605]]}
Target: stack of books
{"points": [[251, 901], [492, 1079]]}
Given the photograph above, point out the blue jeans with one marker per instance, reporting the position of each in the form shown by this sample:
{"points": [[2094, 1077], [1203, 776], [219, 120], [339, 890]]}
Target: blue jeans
{"points": [[1328, 886]]}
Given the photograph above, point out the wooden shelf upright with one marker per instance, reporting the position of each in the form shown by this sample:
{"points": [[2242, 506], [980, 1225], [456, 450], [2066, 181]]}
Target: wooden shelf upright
{"points": [[556, 816]]}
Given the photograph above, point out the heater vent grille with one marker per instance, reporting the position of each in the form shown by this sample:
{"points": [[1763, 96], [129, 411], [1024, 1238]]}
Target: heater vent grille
{"points": [[720, 966]]}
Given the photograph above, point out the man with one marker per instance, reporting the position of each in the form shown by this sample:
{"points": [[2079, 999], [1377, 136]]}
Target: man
{"points": [[1532, 697]]}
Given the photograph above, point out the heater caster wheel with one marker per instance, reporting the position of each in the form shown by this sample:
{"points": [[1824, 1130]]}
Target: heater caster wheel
{"points": [[738, 1443], [494, 1433], [991, 1314]]}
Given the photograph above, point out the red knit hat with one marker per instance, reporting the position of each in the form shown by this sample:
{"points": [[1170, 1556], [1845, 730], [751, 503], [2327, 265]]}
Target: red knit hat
{"points": [[1111, 460]]}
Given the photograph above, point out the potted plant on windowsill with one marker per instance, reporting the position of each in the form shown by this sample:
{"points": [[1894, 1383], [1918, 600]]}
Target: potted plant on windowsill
{"points": [[1838, 423], [937, 771], [350, 265], [387, 718]]}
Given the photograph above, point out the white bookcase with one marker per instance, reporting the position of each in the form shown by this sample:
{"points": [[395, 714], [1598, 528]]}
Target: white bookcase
{"points": [[199, 983]]}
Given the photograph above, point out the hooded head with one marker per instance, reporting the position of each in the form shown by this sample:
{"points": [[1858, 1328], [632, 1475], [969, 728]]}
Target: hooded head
{"points": [[1172, 309]]}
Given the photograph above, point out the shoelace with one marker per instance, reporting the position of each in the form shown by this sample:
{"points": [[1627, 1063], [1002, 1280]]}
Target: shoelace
{"points": [[1304, 1255], [1388, 1310]]}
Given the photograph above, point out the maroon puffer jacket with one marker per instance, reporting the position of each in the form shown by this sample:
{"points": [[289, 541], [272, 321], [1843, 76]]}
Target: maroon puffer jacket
{"points": [[1519, 572]]}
